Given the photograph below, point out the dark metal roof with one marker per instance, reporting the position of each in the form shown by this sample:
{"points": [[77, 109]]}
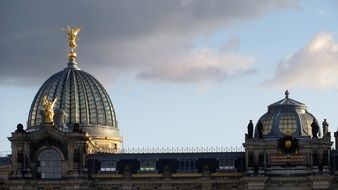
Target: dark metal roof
{"points": [[175, 162], [287, 116], [286, 102], [4, 161]]}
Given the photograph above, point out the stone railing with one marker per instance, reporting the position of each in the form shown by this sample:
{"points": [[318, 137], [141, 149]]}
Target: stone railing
{"points": [[5, 153]]}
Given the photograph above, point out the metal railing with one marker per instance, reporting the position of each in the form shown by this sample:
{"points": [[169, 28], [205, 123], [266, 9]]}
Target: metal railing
{"points": [[162, 150], [181, 150]]}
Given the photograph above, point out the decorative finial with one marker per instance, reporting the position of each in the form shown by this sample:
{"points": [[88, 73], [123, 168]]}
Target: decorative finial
{"points": [[72, 37], [287, 94]]}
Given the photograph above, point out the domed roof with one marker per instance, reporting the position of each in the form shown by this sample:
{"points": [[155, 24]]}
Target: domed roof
{"points": [[286, 116], [79, 95]]}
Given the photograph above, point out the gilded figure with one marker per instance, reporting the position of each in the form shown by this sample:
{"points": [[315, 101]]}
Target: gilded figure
{"points": [[49, 109], [72, 34]]}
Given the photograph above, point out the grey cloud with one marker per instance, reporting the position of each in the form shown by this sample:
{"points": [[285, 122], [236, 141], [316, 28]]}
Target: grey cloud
{"points": [[117, 36], [190, 75], [201, 64]]}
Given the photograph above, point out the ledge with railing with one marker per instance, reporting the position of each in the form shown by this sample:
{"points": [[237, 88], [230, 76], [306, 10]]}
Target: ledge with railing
{"points": [[155, 150]]}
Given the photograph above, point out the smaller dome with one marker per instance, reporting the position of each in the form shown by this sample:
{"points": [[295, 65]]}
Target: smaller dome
{"points": [[286, 116]]}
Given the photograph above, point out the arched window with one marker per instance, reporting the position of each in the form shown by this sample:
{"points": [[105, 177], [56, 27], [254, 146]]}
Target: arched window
{"points": [[49, 164]]}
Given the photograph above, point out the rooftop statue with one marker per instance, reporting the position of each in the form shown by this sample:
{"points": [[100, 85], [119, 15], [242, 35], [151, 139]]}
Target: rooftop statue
{"points": [[72, 34], [250, 130], [72, 37], [315, 129], [49, 109], [325, 128]]}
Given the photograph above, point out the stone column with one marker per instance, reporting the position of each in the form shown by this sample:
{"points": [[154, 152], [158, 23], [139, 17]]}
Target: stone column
{"points": [[27, 162]]}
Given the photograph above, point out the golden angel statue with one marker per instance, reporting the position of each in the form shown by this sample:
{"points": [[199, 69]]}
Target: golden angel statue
{"points": [[49, 109], [72, 34]]}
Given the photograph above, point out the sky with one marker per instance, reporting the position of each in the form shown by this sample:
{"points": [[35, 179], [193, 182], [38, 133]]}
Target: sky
{"points": [[180, 73]]}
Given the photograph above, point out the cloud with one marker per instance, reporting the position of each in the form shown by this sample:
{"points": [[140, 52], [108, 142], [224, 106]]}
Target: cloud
{"points": [[313, 66], [121, 37], [201, 65]]}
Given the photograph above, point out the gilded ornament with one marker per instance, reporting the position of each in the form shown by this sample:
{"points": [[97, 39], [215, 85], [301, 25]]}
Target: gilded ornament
{"points": [[288, 144]]}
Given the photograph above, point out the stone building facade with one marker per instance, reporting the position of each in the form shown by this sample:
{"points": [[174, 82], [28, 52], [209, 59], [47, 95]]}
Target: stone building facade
{"points": [[80, 148]]}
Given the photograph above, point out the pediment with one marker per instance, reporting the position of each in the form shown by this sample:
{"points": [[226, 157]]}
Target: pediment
{"points": [[51, 132]]}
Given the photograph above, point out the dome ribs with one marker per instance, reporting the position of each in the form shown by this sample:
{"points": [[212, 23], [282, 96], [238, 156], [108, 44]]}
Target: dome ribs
{"points": [[80, 96], [84, 113], [93, 119], [112, 120], [102, 98]]}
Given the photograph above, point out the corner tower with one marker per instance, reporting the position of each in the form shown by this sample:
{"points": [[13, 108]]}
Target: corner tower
{"points": [[286, 142]]}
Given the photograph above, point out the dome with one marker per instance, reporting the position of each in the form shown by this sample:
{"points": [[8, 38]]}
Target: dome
{"points": [[80, 97], [286, 116], [71, 97]]}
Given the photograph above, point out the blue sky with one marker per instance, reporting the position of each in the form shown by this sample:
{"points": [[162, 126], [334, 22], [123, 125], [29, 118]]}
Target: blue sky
{"points": [[186, 77]]}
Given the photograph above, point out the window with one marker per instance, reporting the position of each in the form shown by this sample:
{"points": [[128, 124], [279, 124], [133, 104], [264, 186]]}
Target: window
{"points": [[187, 165], [108, 165], [306, 123], [49, 164], [287, 123], [267, 124], [226, 165], [147, 165]]}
